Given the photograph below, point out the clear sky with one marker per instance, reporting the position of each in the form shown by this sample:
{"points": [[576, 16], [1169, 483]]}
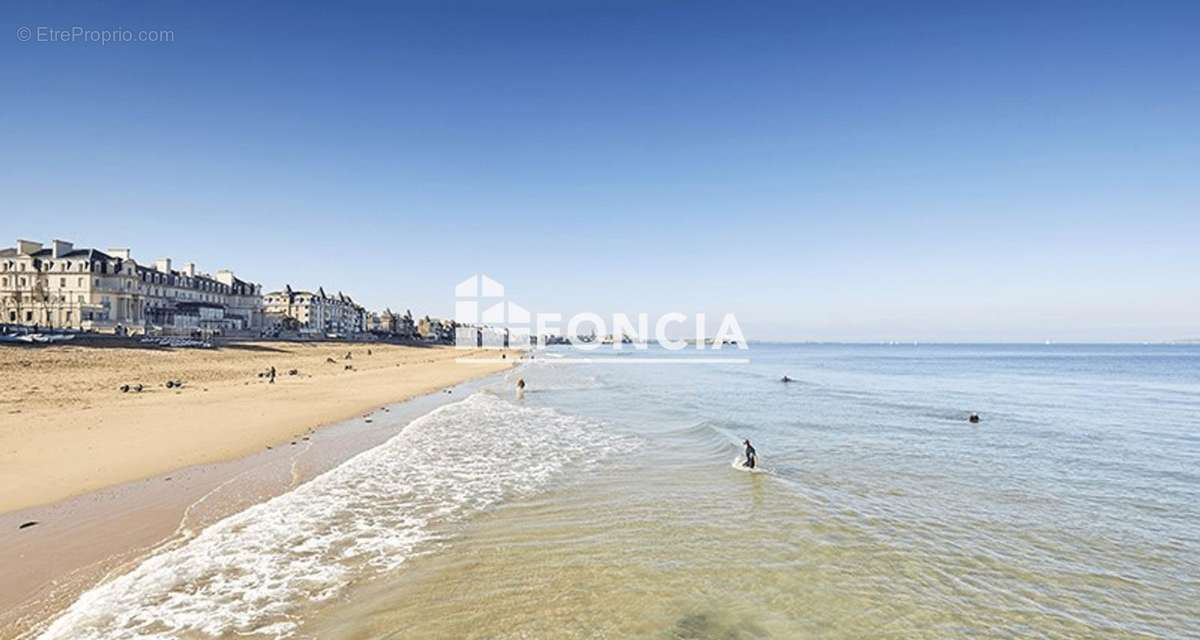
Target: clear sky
{"points": [[825, 170]]}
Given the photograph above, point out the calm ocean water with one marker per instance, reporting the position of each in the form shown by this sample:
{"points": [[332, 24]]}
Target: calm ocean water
{"points": [[606, 505]]}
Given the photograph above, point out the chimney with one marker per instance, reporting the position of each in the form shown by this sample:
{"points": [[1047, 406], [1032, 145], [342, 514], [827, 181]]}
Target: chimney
{"points": [[190, 269], [120, 254], [61, 248], [27, 248], [163, 265], [225, 276]]}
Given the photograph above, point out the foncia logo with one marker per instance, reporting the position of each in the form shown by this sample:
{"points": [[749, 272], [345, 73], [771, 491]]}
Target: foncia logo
{"points": [[485, 319]]}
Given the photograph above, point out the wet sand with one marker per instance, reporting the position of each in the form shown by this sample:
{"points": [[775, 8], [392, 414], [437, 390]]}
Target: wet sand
{"points": [[82, 540]]}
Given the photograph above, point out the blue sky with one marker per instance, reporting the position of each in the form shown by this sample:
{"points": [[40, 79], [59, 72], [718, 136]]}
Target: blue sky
{"points": [[854, 171]]}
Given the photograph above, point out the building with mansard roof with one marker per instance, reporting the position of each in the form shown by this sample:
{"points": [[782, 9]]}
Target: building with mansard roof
{"points": [[315, 314], [64, 287], [390, 324]]}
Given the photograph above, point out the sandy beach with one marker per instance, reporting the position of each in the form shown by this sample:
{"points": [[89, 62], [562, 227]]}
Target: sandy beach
{"points": [[66, 428], [110, 476]]}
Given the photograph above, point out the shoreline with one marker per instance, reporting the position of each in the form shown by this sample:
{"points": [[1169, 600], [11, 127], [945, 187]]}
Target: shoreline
{"points": [[85, 539]]}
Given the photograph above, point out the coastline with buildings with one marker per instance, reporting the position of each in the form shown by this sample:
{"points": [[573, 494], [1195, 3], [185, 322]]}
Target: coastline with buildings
{"points": [[63, 288], [600, 320], [103, 403]]}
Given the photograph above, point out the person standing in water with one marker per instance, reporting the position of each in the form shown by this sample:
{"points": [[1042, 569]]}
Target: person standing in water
{"points": [[751, 455], [521, 389]]}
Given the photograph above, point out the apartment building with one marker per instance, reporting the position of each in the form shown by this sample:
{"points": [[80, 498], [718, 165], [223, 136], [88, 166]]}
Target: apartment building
{"points": [[316, 314], [436, 330], [388, 323], [64, 287]]}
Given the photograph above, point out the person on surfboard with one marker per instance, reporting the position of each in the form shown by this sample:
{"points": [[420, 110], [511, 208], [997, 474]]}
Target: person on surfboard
{"points": [[751, 455]]}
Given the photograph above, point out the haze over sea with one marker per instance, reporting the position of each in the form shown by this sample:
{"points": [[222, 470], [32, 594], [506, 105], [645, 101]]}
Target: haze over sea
{"points": [[607, 504]]}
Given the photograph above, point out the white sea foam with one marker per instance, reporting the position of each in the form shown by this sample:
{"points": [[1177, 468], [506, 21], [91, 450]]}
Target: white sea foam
{"points": [[254, 573]]}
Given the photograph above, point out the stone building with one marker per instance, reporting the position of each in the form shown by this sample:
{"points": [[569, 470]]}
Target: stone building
{"points": [[436, 330], [314, 314], [392, 324], [63, 287]]}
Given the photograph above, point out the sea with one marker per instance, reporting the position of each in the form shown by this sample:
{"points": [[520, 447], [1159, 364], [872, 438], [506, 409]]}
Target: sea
{"points": [[610, 502]]}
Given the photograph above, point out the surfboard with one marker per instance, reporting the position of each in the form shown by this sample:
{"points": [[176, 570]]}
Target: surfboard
{"points": [[739, 463]]}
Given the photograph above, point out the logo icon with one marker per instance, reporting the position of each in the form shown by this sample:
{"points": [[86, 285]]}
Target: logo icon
{"points": [[485, 319]]}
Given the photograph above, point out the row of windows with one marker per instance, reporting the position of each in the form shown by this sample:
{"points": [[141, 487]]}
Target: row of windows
{"points": [[194, 283], [48, 265], [315, 301], [28, 315], [146, 275], [56, 299], [20, 281]]}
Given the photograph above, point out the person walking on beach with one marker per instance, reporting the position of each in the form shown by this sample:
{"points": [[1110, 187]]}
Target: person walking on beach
{"points": [[751, 455], [272, 374], [521, 389]]}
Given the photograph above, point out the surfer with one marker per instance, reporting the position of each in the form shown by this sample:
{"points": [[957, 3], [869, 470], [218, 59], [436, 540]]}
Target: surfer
{"points": [[751, 455], [785, 379], [521, 389]]}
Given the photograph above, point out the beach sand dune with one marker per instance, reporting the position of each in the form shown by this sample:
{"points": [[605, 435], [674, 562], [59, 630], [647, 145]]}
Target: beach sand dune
{"points": [[67, 428]]}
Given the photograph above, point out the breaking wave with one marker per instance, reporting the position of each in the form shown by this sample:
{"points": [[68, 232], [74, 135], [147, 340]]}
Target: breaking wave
{"points": [[255, 572]]}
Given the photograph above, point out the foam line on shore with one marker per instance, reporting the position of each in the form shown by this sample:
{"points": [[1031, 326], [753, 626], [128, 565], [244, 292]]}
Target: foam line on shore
{"points": [[253, 572]]}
